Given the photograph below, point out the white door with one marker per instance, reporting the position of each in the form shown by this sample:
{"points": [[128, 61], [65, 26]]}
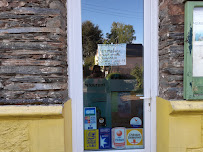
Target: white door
{"points": [[112, 103]]}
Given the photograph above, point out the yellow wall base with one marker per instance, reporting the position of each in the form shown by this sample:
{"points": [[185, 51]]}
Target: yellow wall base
{"points": [[35, 128], [179, 126]]}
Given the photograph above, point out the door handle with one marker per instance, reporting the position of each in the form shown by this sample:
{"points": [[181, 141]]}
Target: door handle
{"points": [[145, 97], [142, 96], [149, 100]]}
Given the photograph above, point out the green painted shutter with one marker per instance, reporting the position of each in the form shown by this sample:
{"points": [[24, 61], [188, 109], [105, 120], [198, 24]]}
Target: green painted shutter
{"points": [[193, 86]]}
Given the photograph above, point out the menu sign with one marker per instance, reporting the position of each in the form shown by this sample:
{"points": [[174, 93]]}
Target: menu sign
{"points": [[118, 138], [111, 54], [198, 42]]}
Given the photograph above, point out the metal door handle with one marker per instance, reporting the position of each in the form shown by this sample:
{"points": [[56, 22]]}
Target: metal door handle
{"points": [[145, 97], [149, 100], [142, 96]]}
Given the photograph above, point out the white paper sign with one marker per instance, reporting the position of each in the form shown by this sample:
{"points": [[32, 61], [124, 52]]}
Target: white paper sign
{"points": [[111, 54], [198, 42]]}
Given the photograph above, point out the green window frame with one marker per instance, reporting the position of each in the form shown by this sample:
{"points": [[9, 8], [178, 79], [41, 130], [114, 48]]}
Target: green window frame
{"points": [[193, 85]]}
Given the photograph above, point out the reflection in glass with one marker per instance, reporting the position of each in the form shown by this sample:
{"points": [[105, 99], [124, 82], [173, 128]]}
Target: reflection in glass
{"points": [[112, 82]]}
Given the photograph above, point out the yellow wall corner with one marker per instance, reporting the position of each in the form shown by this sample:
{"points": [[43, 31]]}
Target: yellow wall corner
{"points": [[36, 128], [179, 126]]}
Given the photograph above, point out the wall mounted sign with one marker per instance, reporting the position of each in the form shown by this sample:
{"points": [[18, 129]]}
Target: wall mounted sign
{"points": [[198, 42], [91, 139], [134, 138], [118, 138], [105, 138], [193, 51], [90, 118], [111, 54]]}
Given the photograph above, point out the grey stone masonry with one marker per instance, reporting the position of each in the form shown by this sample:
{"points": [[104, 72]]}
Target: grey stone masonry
{"points": [[171, 49], [33, 52]]}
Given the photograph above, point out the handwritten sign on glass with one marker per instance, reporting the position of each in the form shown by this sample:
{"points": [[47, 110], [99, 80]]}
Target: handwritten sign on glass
{"points": [[111, 54]]}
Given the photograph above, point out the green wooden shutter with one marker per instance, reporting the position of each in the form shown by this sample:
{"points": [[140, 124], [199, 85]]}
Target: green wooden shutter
{"points": [[193, 86]]}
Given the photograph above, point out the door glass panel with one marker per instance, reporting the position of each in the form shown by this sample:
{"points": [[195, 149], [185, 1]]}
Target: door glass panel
{"points": [[112, 38]]}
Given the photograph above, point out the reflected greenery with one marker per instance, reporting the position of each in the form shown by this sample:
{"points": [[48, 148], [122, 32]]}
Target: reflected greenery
{"points": [[137, 72]]}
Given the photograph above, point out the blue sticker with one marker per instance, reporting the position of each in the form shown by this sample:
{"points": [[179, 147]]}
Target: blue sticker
{"points": [[136, 122], [90, 111], [90, 118], [105, 138]]}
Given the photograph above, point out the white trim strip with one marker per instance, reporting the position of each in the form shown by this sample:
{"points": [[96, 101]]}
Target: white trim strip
{"points": [[75, 72], [154, 70]]}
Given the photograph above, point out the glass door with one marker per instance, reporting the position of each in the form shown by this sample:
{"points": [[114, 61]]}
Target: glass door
{"points": [[116, 78]]}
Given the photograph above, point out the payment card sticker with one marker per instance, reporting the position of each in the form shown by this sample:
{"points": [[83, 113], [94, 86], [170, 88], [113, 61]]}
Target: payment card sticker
{"points": [[134, 138], [90, 118], [91, 139], [105, 138], [118, 138]]}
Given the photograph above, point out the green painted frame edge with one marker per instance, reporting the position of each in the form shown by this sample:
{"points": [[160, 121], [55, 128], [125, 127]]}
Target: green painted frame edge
{"points": [[188, 93]]}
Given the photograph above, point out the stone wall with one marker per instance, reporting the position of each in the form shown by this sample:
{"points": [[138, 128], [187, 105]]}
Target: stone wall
{"points": [[33, 59], [171, 48]]}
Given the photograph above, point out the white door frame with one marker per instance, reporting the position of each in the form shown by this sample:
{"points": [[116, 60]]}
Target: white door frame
{"points": [[74, 40]]}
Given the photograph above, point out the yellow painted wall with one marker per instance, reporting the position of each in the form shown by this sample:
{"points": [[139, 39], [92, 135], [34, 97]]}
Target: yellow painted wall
{"points": [[49, 128], [163, 125], [35, 128], [179, 126], [67, 113]]}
